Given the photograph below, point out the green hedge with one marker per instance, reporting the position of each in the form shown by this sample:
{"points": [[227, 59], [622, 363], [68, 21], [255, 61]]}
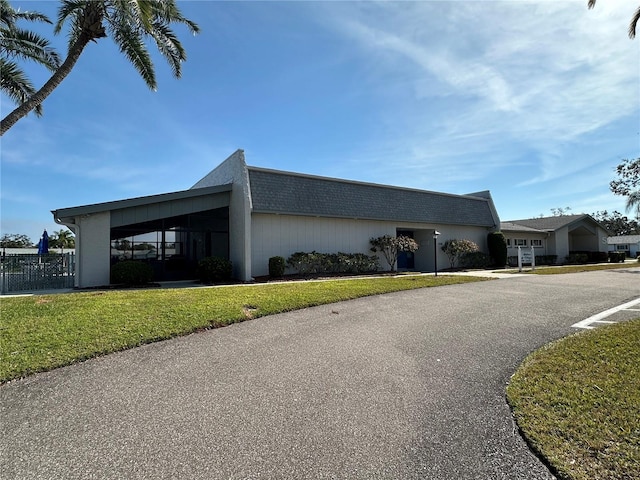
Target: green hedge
{"points": [[214, 270], [131, 273], [314, 262]]}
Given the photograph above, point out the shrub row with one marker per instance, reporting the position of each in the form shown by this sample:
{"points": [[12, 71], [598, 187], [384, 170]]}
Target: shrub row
{"points": [[476, 260], [314, 262], [617, 257], [131, 273]]}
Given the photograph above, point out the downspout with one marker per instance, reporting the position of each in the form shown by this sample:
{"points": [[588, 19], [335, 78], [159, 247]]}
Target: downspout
{"points": [[75, 228]]}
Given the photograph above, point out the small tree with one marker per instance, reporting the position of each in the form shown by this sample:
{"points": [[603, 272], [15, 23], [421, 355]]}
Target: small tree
{"points": [[391, 246], [497, 248], [455, 248]]}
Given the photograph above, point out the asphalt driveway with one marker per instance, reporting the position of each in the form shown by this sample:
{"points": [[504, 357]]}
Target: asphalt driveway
{"points": [[398, 386]]}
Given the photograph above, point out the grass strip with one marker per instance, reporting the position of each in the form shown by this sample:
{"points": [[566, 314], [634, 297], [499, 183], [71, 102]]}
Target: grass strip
{"points": [[577, 402], [559, 270], [43, 332]]}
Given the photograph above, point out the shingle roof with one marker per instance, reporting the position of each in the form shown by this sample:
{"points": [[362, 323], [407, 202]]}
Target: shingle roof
{"points": [[275, 191], [548, 224], [623, 239], [514, 227]]}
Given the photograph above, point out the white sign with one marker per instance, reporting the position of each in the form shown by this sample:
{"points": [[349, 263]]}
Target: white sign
{"points": [[526, 256]]}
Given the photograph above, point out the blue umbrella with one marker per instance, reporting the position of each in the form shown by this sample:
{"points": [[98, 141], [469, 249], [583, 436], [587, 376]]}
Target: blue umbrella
{"points": [[43, 244]]}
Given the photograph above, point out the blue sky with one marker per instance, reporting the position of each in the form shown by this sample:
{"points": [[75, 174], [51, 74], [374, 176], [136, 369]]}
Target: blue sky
{"points": [[535, 101]]}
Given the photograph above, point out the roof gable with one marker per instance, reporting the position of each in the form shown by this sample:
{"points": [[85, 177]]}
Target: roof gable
{"points": [[275, 191], [550, 224]]}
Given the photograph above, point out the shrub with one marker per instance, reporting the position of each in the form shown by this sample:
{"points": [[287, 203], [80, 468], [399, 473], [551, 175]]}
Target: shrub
{"points": [[497, 248], [455, 248], [391, 246], [314, 262], [545, 259], [214, 269], [276, 267], [131, 272], [475, 260], [617, 257], [577, 258]]}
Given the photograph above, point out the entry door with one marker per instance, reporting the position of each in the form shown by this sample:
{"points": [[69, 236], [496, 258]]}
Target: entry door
{"points": [[405, 259]]}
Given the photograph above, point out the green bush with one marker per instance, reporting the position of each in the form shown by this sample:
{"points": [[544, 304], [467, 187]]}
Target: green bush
{"points": [[131, 272], [577, 258], [214, 269], [497, 245], [475, 260], [276, 267], [314, 262], [545, 259], [617, 257]]}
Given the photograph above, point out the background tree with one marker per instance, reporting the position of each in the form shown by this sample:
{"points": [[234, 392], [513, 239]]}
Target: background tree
{"points": [[617, 223], [634, 20], [560, 211], [628, 183], [62, 239], [391, 246], [18, 43], [130, 24], [455, 248], [15, 240]]}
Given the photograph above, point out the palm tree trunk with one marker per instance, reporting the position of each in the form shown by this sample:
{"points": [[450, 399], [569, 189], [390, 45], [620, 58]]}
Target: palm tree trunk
{"points": [[92, 29], [37, 98]]}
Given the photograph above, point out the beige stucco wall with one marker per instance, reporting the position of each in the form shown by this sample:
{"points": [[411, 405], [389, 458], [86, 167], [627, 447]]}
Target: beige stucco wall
{"points": [[93, 265], [282, 235]]}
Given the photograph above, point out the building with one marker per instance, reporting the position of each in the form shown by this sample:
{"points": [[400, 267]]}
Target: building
{"points": [[629, 244], [555, 237], [249, 214]]}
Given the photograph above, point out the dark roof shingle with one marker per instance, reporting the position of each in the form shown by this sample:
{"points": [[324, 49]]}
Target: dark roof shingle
{"points": [[290, 193]]}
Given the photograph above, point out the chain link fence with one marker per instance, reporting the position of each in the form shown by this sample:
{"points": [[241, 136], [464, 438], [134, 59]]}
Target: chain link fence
{"points": [[28, 272]]}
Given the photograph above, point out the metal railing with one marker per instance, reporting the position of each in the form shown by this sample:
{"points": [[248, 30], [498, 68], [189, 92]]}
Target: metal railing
{"points": [[28, 272]]}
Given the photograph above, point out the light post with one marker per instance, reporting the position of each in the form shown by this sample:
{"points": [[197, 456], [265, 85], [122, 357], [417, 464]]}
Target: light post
{"points": [[435, 251]]}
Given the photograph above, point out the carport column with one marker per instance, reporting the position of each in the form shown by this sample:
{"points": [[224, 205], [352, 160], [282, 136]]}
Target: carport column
{"points": [[93, 250]]}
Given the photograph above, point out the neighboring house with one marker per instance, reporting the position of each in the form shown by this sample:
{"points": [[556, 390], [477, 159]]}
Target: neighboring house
{"points": [[630, 244], [249, 214], [555, 236]]}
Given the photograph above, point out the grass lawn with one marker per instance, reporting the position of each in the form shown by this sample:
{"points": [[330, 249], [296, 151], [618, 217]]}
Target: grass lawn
{"points": [[42, 332], [574, 268], [577, 401]]}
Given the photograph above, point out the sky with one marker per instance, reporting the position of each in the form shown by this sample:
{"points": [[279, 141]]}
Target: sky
{"points": [[537, 102]]}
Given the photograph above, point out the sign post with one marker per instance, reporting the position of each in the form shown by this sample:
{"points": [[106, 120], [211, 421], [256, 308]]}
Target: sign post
{"points": [[525, 256]]}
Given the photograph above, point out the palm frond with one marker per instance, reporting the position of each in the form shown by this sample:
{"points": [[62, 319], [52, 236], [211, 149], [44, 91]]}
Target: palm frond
{"points": [[15, 84], [634, 24], [169, 46], [9, 16], [29, 46], [592, 3], [131, 44], [633, 201]]}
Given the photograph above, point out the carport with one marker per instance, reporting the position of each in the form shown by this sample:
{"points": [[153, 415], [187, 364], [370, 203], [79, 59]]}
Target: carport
{"points": [[171, 232]]}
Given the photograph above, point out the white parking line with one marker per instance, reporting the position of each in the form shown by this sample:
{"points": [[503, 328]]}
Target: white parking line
{"points": [[597, 318]]}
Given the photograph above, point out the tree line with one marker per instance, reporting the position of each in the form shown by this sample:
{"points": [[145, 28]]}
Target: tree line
{"points": [[61, 239]]}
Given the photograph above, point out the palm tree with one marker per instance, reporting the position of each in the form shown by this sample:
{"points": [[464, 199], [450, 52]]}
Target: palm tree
{"points": [[634, 20], [63, 239], [128, 23], [15, 43], [633, 201]]}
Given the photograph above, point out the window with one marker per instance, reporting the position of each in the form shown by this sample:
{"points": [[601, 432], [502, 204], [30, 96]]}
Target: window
{"points": [[622, 247], [536, 242], [508, 242], [520, 242]]}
